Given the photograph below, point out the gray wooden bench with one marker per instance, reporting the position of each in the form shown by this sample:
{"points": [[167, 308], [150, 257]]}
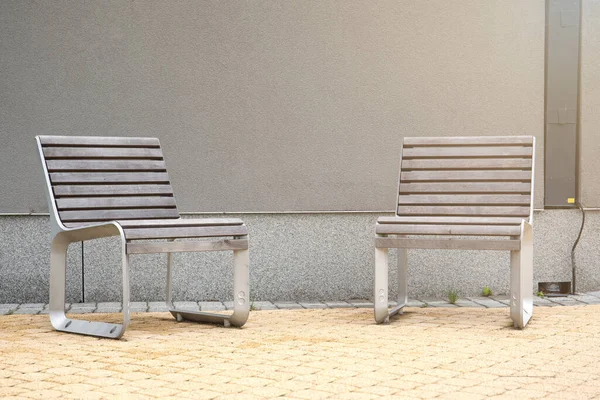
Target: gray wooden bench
{"points": [[118, 186], [471, 193]]}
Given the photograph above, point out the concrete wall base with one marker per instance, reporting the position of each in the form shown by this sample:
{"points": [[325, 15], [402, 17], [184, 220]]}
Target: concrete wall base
{"points": [[293, 257]]}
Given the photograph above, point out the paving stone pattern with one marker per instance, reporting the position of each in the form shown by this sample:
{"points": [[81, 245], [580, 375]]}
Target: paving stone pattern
{"points": [[428, 352]]}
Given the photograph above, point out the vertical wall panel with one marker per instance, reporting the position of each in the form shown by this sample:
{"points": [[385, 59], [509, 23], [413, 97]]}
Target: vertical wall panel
{"points": [[562, 74], [589, 161]]}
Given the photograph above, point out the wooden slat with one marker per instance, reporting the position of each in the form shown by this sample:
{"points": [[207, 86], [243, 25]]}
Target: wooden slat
{"points": [[99, 141], [105, 165], [114, 190], [487, 176], [184, 232], [177, 247], [467, 163], [451, 220], [470, 230], [180, 222], [111, 215], [102, 152], [466, 187], [466, 152], [464, 210], [108, 177], [468, 140], [114, 202], [448, 244], [465, 199]]}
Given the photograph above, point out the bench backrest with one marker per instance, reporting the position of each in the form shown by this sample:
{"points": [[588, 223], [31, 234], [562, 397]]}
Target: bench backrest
{"points": [[456, 178], [95, 179]]}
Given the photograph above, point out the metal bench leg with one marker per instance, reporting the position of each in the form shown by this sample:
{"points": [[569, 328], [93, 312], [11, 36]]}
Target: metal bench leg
{"points": [[241, 301], [521, 279], [402, 282], [169, 300], [58, 318], [380, 299]]}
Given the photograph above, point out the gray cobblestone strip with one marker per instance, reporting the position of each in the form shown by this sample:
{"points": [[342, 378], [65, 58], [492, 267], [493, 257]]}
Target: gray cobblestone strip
{"points": [[487, 302], [543, 302], [338, 304], [287, 305], [361, 303], [313, 304], [468, 303], [211, 306], [82, 308], [159, 306], [262, 305], [186, 305]]}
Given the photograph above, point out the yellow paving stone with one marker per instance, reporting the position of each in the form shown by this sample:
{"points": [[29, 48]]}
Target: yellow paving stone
{"points": [[43, 394], [67, 379], [6, 391], [461, 395], [37, 385], [106, 381], [213, 379], [200, 394], [266, 391], [252, 382], [240, 396], [237, 373], [227, 388], [116, 390], [34, 376], [160, 370], [147, 383], [484, 390], [76, 388], [292, 385], [356, 382], [6, 372], [63, 371], [400, 384], [525, 394], [134, 376], [333, 387], [52, 363], [23, 368], [339, 373], [315, 379], [311, 394], [419, 394], [159, 392], [173, 378], [379, 390], [125, 368]]}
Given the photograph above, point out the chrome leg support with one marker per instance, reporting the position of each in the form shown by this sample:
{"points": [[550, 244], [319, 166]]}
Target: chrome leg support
{"points": [[58, 267], [380, 295], [402, 282], [521, 279], [241, 302]]}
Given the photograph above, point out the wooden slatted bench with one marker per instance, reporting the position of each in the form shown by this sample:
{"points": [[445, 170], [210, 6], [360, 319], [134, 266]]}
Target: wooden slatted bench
{"points": [[118, 186], [452, 189]]}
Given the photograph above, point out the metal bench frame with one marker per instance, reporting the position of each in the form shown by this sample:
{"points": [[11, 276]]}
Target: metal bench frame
{"points": [[455, 212], [130, 231]]}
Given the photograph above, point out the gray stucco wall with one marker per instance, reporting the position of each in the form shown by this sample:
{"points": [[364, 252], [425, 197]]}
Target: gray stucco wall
{"points": [[267, 105]]}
